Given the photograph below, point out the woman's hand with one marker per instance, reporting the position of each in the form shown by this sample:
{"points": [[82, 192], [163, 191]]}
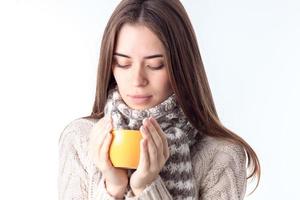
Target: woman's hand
{"points": [[116, 180], [154, 154]]}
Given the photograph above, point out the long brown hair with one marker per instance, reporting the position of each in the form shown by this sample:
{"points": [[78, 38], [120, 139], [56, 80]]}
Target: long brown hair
{"points": [[170, 22]]}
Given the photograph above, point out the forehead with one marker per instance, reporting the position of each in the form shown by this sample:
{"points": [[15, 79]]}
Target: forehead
{"points": [[138, 39]]}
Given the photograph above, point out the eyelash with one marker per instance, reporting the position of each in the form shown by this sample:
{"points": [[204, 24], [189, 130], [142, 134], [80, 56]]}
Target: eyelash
{"points": [[152, 68]]}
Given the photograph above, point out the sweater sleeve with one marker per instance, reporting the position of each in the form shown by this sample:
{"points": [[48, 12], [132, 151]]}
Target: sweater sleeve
{"points": [[156, 190], [74, 180], [102, 192], [225, 178]]}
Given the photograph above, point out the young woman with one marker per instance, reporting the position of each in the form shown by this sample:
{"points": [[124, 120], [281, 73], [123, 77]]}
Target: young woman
{"points": [[151, 77]]}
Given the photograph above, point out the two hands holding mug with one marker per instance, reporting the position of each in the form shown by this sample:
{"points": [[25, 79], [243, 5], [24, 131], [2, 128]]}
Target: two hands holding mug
{"points": [[154, 153]]}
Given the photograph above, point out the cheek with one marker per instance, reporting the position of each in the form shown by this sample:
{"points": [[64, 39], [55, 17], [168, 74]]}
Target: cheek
{"points": [[162, 81], [167, 88], [121, 81], [117, 76]]}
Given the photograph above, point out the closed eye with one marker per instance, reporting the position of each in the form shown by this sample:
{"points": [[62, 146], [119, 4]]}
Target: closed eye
{"points": [[156, 68], [122, 66], [151, 67]]}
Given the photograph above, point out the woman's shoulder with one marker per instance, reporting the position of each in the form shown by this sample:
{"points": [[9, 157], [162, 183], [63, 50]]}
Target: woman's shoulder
{"points": [[212, 145], [76, 130], [211, 152]]}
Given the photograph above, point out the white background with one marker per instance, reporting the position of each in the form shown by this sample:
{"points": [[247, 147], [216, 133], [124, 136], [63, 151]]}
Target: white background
{"points": [[48, 61]]}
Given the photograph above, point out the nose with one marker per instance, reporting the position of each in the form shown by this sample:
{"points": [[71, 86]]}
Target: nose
{"points": [[138, 76]]}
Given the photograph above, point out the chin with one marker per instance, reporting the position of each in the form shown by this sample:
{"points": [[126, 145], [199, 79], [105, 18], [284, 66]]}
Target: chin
{"points": [[141, 106]]}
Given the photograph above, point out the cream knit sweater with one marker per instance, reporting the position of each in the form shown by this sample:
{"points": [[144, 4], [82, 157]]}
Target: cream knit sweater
{"points": [[219, 169]]}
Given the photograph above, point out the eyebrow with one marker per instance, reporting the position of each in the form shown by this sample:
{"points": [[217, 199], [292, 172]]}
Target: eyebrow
{"points": [[146, 57]]}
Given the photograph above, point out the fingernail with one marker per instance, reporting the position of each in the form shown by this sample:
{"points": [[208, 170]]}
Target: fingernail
{"points": [[144, 121], [152, 119]]}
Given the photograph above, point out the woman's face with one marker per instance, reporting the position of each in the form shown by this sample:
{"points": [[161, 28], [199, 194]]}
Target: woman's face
{"points": [[139, 67]]}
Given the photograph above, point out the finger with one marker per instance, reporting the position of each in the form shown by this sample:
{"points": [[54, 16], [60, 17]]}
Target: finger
{"points": [[101, 121], [156, 138], [98, 142], [100, 134], [97, 130], [151, 148], [94, 141], [104, 149], [163, 137], [105, 130], [144, 156], [102, 128]]}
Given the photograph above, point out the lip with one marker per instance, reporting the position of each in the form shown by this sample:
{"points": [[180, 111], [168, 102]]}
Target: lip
{"points": [[139, 99], [139, 96]]}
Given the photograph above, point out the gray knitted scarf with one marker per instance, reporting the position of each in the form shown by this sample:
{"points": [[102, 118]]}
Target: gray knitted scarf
{"points": [[177, 173]]}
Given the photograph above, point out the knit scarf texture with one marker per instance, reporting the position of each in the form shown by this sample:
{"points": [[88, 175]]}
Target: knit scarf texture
{"points": [[177, 172]]}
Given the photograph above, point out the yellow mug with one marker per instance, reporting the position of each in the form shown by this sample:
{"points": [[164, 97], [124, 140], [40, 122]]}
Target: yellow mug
{"points": [[124, 150]]}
